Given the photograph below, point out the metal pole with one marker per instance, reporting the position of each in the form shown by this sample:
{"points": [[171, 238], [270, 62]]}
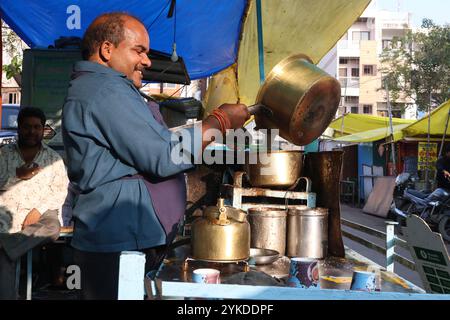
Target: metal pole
{"points": [[391, 128], [444, 135], [260, 41], [390, 245], [29, 273], [427, 179]]}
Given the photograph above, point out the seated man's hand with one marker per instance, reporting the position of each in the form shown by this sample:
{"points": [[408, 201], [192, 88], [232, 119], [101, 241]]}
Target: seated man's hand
{"points": [[446, 174], [32, 217], [27, 172], [237, 114]]}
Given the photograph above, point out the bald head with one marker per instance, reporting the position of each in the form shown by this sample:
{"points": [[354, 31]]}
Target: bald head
{"points": [[106, 27]]}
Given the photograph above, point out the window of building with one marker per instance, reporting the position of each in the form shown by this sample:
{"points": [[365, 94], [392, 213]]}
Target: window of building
{"points": [[343, 60], [365, 35], [367, 108], [355, 72], [360, 35], [354, 109], [386, 44], [342, 72], [13, 98], [351, 99], [370, 70]]}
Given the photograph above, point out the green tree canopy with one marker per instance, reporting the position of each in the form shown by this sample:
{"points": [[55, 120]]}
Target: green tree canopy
{"points": [[417, 65]]}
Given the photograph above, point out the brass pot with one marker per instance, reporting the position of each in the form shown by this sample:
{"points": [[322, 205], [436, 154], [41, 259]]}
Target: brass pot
{"points": [[274, 169], [302, 97], [222, 234]]}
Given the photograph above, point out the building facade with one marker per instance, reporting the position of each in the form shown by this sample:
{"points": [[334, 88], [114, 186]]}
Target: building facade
{"points": [[355, 62]]}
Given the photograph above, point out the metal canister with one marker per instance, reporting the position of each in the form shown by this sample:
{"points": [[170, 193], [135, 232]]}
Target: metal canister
{"points": [[268, 228], [307, 232]]}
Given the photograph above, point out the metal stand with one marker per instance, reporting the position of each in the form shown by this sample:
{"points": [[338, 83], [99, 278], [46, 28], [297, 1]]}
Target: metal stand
{"points": [[237, 192]]}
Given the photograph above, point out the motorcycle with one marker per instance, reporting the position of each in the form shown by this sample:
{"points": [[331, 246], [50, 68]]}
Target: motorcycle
{"points": [[403, 181], [432, 207]]}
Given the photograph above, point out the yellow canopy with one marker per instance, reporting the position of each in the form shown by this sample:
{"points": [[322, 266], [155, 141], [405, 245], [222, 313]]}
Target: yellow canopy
{"points": [[352, 123], [437, 123], [373, 135], [403, 130], [290, 26]]}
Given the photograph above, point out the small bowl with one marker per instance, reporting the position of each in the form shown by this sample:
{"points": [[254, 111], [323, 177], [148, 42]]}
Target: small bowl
{"points": [[260, 256]]}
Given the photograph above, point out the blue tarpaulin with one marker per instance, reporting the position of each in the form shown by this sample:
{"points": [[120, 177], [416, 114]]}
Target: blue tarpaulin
{"points": [[207, 31]]}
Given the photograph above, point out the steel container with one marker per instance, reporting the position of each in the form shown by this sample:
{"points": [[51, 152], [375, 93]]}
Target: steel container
{"points": [[307, 232], [274, 169], [268, 228]]}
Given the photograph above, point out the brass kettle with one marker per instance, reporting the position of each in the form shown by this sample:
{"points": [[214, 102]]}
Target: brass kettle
{"points": [[222, 234]]}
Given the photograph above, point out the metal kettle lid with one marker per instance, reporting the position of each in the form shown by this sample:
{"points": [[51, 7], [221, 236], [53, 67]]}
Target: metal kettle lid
{"points": [[220, 213]]}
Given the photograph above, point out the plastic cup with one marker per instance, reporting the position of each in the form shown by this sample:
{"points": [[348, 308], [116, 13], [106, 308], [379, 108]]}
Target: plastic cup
{"points": [[363, 281], [303, 273], [206, 275]]}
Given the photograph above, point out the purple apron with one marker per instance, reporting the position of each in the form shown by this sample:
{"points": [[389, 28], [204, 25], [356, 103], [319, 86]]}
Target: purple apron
{"points": [[168, 194]]}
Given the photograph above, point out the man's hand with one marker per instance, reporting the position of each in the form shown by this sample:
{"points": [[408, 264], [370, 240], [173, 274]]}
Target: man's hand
{"points": [[237, 113], [32, 217], [27, 172]]}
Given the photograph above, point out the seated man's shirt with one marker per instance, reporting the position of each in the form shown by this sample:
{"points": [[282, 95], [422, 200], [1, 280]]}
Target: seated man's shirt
{"points": [[47, 190]]}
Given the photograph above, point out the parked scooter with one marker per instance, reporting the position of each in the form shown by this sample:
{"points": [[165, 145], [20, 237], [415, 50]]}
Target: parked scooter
{"points": [[432, 207], [402, 182]]}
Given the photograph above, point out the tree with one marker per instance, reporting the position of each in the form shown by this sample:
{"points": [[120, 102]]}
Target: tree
{"points": [[417, 66], [13, 47]]}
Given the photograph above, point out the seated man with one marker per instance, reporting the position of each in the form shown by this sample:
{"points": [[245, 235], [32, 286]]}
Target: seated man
{"points": [[33, 181], [33, 178]]}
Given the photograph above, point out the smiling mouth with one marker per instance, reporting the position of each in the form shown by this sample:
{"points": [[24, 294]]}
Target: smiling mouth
{"points": [[140, 73]]}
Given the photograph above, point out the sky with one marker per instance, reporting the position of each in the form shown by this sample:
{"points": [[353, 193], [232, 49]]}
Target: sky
{"points": [[436, 10]]}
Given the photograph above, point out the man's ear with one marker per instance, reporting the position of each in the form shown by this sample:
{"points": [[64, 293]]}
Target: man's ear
{"points": [[105, 51]]}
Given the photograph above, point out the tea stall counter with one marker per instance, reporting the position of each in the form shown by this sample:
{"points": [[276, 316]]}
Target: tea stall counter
{"points": [[173, 280]]}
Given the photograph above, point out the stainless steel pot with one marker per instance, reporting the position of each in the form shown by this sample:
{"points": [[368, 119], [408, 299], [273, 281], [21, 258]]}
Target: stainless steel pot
{"points": [[307, 232], [274, 169], [268, 228]]}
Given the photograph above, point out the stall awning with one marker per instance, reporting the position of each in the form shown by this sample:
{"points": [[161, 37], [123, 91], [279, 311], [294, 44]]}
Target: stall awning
{"points": [[373, 135], [437, 123], [352, 123], [211, 36], [207, 32], [405, 130]]}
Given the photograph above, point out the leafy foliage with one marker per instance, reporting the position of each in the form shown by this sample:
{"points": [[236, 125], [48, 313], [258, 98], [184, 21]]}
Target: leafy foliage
{"points": [[417, 66], [12, 46]]}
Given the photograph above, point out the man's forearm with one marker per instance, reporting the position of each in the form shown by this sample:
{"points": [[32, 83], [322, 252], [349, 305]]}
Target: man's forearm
{"points": [[208, 124]]}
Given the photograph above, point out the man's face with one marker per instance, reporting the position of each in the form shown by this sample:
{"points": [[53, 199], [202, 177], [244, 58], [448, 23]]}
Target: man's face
{"points": [[447, 154], [30, 132], [130, 56]]}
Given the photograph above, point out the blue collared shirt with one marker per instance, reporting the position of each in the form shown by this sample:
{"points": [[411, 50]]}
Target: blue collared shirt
{"points": [[109, 133]]}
